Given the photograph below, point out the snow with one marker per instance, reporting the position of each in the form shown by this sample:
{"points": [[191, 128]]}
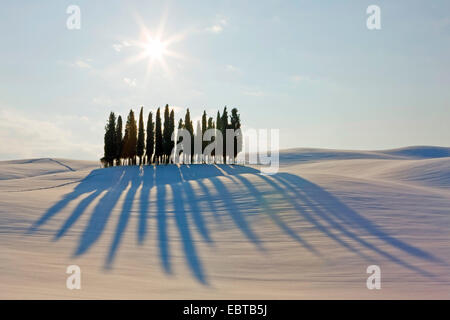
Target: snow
{"points": [[227, 232]]}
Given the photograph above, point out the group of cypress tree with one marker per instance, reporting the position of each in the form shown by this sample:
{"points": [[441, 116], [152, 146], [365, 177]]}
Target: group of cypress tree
{"points": [[154, 144]]}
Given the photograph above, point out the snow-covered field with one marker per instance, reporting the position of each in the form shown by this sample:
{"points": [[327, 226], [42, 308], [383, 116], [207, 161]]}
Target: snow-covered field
{"points": [[227, 232]]}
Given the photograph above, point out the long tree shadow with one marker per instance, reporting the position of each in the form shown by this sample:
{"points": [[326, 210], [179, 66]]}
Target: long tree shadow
{"points": [[347, 216], [273, 214], [177, 200], [102, 212], [193, 202], [132, 176], [148, 180], [181, 221], [95, 182]]}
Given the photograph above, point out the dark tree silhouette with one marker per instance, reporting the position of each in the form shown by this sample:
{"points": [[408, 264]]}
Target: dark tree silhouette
{"points": [[166, 135], [210, 123], [219, 131], [154, 143], [158, 137], [118, 137], [150, 138], [235, 125], [189, 127], [140, 146], [130, 142], [171, 131], [204, 126], [110, 147], [223, 128]]}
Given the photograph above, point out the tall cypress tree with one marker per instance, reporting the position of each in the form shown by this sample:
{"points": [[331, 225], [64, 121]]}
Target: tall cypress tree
{"points": [[109, 139], [189, 127], [180, 126], [219, 122], [171, 131], [140, 146], [235, 125], [118, 142], [132, 138], [211, 126], [218, 131], [204, 127], [166, 136], [158, 137], [223, 127], [210, 123], [125, 144], [150, 138]]}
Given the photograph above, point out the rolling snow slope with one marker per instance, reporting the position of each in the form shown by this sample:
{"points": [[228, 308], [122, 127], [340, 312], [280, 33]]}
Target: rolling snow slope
{"points": [[205, 231]]}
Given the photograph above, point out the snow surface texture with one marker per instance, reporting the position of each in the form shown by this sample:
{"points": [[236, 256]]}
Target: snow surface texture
{"points": [[227, 232]]}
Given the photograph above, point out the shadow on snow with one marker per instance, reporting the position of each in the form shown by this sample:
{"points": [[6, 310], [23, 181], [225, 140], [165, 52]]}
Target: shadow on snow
{"points": [[313, 204]]}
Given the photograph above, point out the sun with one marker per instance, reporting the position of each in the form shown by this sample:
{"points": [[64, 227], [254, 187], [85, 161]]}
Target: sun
{"points": [[155, 49]]}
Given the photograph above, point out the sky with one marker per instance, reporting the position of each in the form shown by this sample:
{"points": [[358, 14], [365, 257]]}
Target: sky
{"points": [[311, 69]]}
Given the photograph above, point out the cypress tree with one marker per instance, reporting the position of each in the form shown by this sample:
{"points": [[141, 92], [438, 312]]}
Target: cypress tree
{"points": [[223, 128], [171, 131], [109, 139], [132, 138], [150, 138], [140, 146], [211, 126], [125, 144], [219, 122], [204, 127], [218, 131], [166, 136], [235, 125], [189, 127], [158, 137], [180, 126], [119, 141], [210, 123]]}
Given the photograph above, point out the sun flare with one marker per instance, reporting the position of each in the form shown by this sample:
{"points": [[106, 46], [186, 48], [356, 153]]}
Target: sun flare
{"points": [[155, 49]]}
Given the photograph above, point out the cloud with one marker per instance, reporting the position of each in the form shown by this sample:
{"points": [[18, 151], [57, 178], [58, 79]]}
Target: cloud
{"points": [[83, 64], [23, 135], [215, 29], [130, 82], [218, 26], [119, 46]]}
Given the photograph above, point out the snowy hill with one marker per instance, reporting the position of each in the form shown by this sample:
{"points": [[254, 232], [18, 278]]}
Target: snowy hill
{"points": [[221, 231], [290, 156]]}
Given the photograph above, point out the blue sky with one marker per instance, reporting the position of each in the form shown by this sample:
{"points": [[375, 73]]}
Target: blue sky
{"points": [[310, 68]]}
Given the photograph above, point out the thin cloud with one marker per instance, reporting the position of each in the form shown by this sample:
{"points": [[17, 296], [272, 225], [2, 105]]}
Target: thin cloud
{"points": [[218, 26], [119, 46], [24, 136], [83, 64]]}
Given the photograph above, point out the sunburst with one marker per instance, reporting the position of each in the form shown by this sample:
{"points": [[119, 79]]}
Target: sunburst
{"points": [[154, 48]]}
